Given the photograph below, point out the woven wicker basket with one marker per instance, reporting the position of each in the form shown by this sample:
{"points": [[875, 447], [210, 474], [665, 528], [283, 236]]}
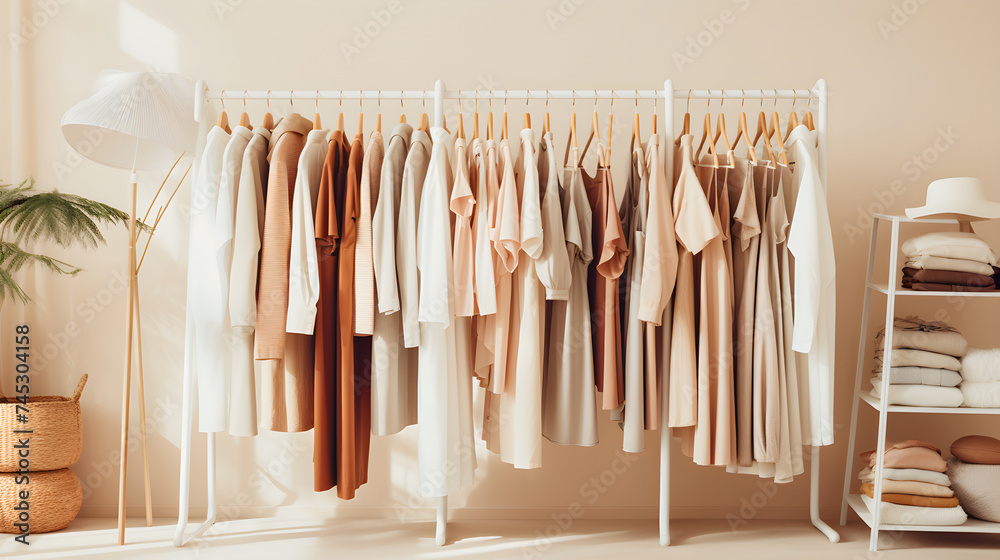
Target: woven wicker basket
{"points": [[54, 499], [56, 439]]}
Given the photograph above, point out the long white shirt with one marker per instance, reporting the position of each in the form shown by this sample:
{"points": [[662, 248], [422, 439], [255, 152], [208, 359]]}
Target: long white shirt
{"points": [[810, 240], [248, 225], [303, 264], [205, 344], [446, 449], [414, 171]]}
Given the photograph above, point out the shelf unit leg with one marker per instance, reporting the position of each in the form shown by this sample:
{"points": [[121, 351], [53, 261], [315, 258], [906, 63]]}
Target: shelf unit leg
{"points": [[441, 533], [883, 409], [668, 121], [856, 396]]}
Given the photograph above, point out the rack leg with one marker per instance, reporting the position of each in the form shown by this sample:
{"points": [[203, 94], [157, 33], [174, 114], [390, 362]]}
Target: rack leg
{"points": [[856, 398], [831, 534], [668, 163], [441, 534]]}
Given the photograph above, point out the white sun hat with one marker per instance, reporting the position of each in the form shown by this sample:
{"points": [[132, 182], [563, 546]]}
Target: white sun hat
{"points": [[959, 198]]}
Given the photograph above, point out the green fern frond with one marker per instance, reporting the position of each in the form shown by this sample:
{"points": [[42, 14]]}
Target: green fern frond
{"points": [[65, 219], [13, 259]]}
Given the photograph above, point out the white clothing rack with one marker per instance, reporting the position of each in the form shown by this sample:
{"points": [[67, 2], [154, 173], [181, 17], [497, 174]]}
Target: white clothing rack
{"points": [[668, 94]]}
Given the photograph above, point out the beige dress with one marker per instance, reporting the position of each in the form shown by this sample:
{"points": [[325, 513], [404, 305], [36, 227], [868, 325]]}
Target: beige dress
{"points": [[286, 359], [766, 358], [745, 247], [659, 273], [633, 417], [394, 367], [483, 172], [695, 226], [570, 401], [712, 441]]}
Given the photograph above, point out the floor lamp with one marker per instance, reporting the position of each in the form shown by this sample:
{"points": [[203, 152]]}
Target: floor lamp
{"points": [[135, 121]]}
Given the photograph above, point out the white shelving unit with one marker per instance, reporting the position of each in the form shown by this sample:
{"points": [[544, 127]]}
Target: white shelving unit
{"points": [[892, 290]]}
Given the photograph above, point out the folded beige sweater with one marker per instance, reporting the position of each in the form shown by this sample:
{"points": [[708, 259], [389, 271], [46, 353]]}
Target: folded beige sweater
{"points": [[919, 334]]}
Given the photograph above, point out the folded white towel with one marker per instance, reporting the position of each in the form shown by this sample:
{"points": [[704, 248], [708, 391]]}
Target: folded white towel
{"points": [[919, 475], [896, 514], [981, 365], [912, 375], [981, 395], [921, 358], [923, 395], [951, 244]]}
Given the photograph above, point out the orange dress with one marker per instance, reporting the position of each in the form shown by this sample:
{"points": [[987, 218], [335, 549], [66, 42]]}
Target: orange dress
{"points": [[331, 191]]}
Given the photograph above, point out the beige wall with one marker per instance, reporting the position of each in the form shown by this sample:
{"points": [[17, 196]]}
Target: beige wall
{"points": [[894, 88]]}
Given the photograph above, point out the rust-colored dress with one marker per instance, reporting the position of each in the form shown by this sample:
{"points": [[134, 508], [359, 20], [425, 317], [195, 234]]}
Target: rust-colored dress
{"points": [[331, 189], [610, 253], [355, 357]]}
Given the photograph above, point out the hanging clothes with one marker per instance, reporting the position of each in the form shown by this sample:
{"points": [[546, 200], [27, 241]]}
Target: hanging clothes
{"points": [[634, 209], [394, 366], [712, 440], [610, 254], [353, 385], [659, 273], [414, 172], [332, 190], [484, 182], [462, 205], [810, 240], [286, 360], [222, 243], [767, 414], [364, 267], [569, 413], [695, 226], [446, 450], [746, 230], [248, 226], [204, 334]]}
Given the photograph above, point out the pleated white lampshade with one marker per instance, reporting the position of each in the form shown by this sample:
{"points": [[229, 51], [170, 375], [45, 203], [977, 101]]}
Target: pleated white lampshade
{"points": [[146, 117]]}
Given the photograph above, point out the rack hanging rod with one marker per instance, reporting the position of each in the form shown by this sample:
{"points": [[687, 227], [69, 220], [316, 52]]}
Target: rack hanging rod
{"points": [[538, 94]]}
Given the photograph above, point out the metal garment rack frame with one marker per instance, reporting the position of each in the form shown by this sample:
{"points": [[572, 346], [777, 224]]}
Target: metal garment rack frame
{"points": [[669, 96]]}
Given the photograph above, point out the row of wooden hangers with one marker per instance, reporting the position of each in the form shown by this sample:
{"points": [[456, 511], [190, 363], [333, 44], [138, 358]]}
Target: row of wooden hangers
{"points": [[766, 131]]}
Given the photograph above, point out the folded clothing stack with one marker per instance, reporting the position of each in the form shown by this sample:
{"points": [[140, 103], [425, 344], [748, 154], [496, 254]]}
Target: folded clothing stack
{"points": [[981, 378], [915, 488], [949, 261], [975, 476], [925, 363]]}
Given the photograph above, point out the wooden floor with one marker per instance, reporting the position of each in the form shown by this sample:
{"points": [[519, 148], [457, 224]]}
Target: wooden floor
{"points": [[285, 538]]}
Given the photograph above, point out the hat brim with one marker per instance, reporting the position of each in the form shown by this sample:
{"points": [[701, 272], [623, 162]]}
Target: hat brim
{"points": [[958, 210]]}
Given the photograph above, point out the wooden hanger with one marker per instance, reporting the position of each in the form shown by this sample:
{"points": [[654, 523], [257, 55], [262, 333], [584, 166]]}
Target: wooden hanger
{"points": [[317, 123], [706, 130], [223, 122], [340, 117], [361, 117], [503, 123], [793, 116], [527, 115], [268, 123], [402, 114], [686, 127], [245, 118], [807, 119], [775, 131], [761, 129], [655, 128], [707, 135], [489, 119], [378, 117], [744, 133], [595, 129], [571, 140], [424, 125], [545, 121], [461, 122], [636, 134]]}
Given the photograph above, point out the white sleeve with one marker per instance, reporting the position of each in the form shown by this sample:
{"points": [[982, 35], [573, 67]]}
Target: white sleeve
{"points": [[303, 265], [406, 251], [246, 247]]}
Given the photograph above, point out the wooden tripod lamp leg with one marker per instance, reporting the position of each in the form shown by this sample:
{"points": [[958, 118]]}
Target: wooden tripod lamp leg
{"points": [[142, 404], [126, 389]]}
